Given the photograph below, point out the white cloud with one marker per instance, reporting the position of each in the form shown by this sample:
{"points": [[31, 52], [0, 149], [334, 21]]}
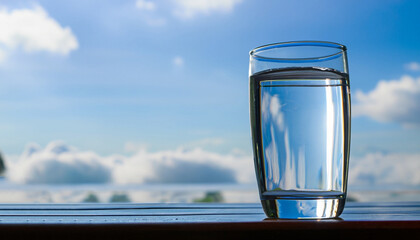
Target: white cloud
{"points": [[155, 14], [391, 101], [187, 9], [413, 66], [148, 13], [181, 166], [385, 169], [178, 61], [178, 166], [58, 163], [145, 5], [34, 30]]}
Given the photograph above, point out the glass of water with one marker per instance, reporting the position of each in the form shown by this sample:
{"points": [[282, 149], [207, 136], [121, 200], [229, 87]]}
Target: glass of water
{"points": [[300, 123]]}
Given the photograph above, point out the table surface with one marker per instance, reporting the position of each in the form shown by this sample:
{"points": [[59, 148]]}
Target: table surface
{"points": [[203, 220]]}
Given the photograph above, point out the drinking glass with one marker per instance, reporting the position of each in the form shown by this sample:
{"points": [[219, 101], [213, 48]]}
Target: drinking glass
{"points": [[300, 124]]}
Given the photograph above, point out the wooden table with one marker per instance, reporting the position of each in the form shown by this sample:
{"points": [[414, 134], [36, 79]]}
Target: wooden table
{"points": [[202, 221]]}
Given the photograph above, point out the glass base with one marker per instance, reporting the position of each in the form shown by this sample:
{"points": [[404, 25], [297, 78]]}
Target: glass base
{"points": [[303, 208]]}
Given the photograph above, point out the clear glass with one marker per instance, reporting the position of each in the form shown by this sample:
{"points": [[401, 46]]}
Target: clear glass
{"points": [[300, 123]]}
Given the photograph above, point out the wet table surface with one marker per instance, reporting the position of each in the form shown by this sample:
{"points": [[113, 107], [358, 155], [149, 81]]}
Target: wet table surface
{"points": [[204, 221]]}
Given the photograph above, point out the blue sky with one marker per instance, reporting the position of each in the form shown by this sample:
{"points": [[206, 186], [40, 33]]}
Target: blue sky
{"points": [[116, 76]]}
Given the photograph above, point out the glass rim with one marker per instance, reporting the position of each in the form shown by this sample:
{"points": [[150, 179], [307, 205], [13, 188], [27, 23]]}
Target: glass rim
{"points": [[343, 48]]}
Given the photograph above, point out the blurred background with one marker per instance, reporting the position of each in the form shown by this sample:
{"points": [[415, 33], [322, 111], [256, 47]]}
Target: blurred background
{"points": [[147, 101]]}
